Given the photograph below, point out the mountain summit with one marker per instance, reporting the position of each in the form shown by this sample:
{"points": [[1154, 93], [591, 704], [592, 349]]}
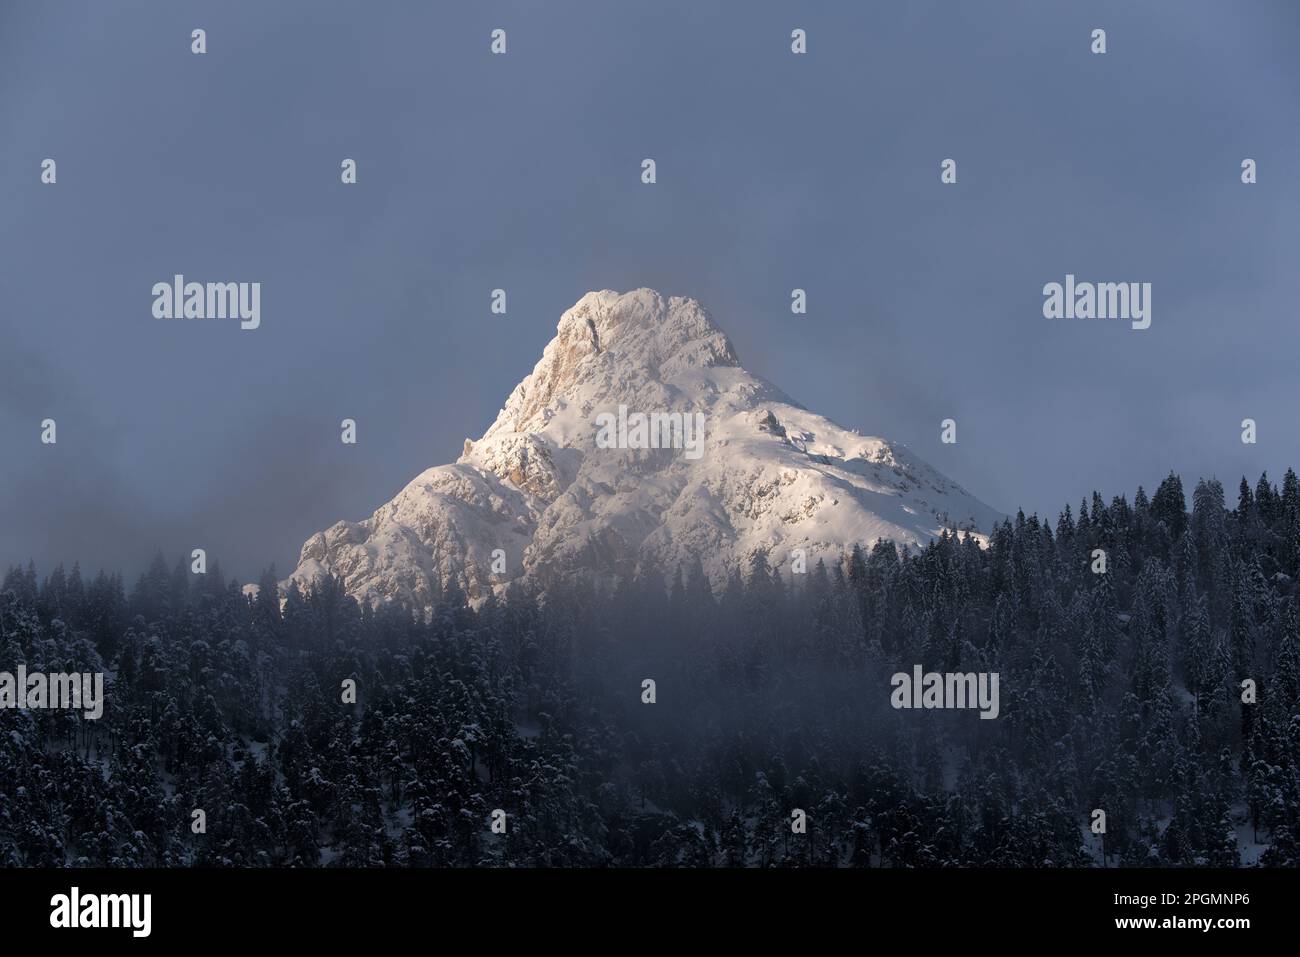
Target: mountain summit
{"points": [[595, 465]]}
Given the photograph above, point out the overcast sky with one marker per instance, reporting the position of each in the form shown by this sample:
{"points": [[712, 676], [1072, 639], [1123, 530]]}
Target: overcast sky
{"points": [[522, 171]]}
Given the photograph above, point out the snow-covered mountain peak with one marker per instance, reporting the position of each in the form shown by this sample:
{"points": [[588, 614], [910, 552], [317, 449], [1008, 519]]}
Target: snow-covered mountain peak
{"points": [[729, 467], [636, 338]]}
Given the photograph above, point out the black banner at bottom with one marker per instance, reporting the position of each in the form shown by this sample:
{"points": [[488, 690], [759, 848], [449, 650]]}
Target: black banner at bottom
{"points": [[334, 906]]}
